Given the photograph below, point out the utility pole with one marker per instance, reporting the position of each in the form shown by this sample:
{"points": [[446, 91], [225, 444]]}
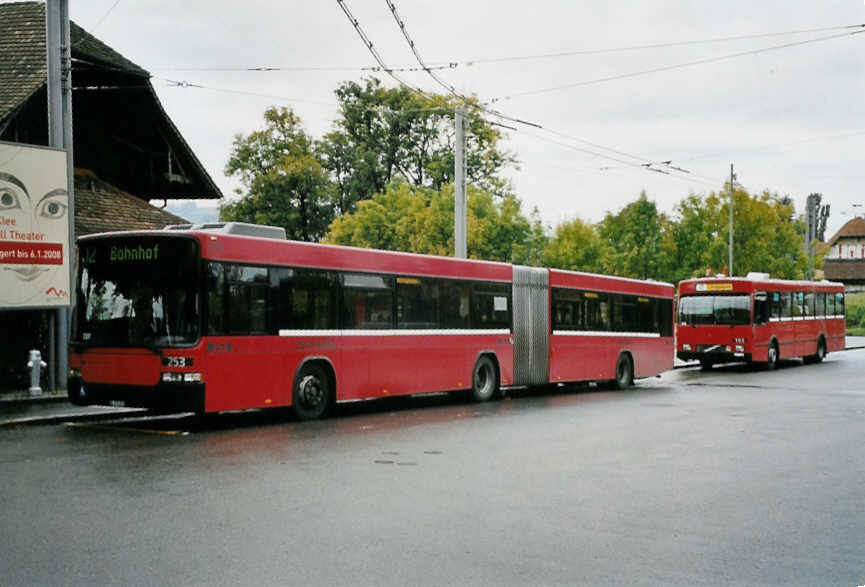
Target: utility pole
{"points": [[460, 216], [59, 55], [816, 217], [730, 264]]}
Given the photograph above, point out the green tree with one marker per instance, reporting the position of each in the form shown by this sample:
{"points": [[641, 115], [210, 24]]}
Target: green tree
{"points": [[691, 233], [383, 134], [421, 220], [284, 183], [766, 235], [576, 246], [633, 241]]}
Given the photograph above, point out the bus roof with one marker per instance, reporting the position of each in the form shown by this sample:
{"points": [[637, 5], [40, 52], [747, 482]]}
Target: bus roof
{"points": [[221, 246], [751, 284], [609, 283]]}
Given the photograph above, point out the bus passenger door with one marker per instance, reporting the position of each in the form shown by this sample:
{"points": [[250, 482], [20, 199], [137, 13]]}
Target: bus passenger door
{"points": [[762, 331]]}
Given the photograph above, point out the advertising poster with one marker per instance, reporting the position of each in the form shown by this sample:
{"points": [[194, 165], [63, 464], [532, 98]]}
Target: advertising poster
{"points": [[34, 227]]}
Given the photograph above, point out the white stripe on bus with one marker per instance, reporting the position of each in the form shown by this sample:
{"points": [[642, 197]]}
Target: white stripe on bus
{"points": [[601, 333], [390, 332]]}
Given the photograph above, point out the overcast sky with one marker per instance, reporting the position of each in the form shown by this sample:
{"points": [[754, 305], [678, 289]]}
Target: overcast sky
{"points": [[791, 120]]}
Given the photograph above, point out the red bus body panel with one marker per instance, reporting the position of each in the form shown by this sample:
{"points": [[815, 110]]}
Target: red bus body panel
{"points": [[796, 336], [592, 356]]}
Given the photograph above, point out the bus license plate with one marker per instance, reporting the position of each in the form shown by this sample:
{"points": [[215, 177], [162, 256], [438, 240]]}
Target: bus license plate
{"points": [[117, 403]]}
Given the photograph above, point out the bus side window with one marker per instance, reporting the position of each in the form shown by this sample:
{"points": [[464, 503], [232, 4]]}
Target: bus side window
{"points": [[454, 301], [491, 306], [761, 307], [820, 306], [367, 301], [567, 309], [809, 304], [303, 299], [597, 308], [417, 303], [665, 317], [839, 304], [215, 287]]}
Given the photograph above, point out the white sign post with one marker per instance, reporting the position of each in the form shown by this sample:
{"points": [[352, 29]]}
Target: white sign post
{"points": [[34, 227]]}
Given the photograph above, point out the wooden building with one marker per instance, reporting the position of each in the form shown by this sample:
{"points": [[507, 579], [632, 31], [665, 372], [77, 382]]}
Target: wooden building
{"points": [[126, 149]]}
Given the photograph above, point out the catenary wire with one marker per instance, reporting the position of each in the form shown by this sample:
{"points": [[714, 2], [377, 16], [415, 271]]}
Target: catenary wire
{"points": [[645, 166], [675, 66], [444, 65]]}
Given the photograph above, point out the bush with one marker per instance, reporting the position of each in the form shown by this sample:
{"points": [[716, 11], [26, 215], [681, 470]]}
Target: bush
{"points": [[855, 310]]}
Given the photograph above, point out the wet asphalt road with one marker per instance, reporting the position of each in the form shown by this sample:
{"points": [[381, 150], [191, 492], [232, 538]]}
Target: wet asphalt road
{"points": [[737, 476]]}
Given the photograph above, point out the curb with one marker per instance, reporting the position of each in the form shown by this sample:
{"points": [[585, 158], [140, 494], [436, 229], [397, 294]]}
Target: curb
{"points": [[17, 398], [58, 418]]}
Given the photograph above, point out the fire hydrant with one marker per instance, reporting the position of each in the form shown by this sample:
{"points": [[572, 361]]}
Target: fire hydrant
{"points": [[35, 364]]}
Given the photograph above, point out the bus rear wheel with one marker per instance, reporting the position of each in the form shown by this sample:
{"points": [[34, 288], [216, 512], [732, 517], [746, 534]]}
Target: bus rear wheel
{"points": [[312, 394], [772, 357], [624, 372], [820, 354], [485, 382]]}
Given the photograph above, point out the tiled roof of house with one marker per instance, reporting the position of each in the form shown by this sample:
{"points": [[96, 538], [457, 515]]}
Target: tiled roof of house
{"points": [[23, 65], [100, 207], [22, 53], [144, 128], [853, 228]]}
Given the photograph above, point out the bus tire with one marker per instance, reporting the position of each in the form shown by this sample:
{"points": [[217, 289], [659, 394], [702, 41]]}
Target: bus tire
{"points": [[706, 365], [821, 352], [772, 356], [312, 393], [485, 380], [624, 372]]}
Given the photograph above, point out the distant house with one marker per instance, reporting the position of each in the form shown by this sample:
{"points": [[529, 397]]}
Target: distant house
{"points": [[845, 259], [127, 150]]}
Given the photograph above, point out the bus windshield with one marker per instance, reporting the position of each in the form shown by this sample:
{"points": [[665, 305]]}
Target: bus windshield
{"points": [[724, 310], [137, 291]]}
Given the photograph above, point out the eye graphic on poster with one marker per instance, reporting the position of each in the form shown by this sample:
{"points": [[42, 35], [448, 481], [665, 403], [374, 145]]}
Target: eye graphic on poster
{"points": [[34, 227]]}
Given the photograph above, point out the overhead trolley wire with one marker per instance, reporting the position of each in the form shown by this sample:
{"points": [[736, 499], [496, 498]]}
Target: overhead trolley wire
{"points": [[651, 166], [356, 24], [455, 64], [628, 48], [861, 29]]}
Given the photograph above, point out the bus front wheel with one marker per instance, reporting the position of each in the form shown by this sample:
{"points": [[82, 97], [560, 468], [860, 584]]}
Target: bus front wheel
{"points": [[312, 392]]}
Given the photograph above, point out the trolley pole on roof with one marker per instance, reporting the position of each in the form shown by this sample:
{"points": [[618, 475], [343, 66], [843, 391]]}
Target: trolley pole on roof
{"points": [[730, 264], [460, 216], [59, 58]]}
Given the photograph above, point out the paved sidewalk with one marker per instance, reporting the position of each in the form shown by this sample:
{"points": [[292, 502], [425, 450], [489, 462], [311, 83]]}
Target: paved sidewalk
{"points": [[21, 408]]}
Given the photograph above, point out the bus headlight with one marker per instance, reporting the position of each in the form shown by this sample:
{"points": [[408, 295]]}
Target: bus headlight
{"points": [[740, 348], [686, 347]]}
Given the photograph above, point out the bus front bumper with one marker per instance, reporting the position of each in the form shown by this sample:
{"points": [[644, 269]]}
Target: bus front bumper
{"points": [[714, 357], [162, 397]]}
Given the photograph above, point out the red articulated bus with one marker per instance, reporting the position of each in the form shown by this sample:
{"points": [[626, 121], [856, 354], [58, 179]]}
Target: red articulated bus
{"points": [[757, 319], [231, 316]]}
